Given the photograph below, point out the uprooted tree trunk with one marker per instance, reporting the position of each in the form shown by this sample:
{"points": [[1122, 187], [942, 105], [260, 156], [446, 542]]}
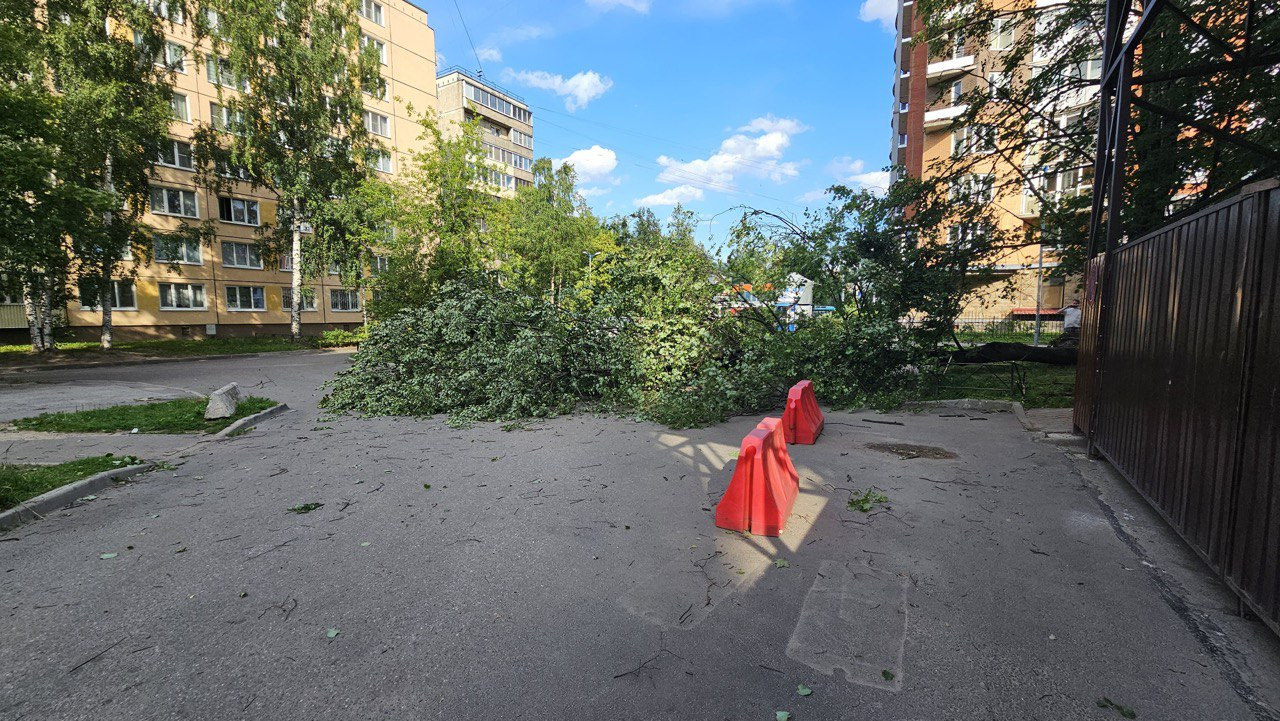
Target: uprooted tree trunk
{"points": [[1004, 352]]}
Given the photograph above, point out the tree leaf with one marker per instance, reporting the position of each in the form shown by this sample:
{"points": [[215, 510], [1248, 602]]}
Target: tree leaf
{"points": [[781, 563], [804, 690], [107, 556], [332, 633]]}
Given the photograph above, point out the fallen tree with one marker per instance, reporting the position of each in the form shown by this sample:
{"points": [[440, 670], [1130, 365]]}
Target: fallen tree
{"points": [[1005, 352]]}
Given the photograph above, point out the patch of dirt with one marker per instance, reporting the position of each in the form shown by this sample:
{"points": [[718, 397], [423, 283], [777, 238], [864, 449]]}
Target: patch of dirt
{"points": [[907, 451]]}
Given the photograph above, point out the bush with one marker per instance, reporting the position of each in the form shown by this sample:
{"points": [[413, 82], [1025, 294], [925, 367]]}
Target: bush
{"points": [[338, 338]]}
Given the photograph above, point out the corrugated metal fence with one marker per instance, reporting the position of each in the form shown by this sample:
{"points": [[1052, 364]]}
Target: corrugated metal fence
{"points": [[1181, 389]]}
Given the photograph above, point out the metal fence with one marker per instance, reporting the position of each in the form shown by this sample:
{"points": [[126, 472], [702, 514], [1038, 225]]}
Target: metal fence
{"points": [[1018, 330], [1179, 387]]}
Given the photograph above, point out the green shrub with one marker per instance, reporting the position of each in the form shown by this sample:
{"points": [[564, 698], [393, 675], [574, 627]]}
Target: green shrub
{"points": [[339, 338]]}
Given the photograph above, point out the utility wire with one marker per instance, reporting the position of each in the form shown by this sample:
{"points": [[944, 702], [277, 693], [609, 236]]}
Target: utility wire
{"points": [[468, 34]]}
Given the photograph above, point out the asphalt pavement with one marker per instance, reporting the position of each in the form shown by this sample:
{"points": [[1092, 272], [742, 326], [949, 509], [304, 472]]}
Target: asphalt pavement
{"points": [[571, 569]]}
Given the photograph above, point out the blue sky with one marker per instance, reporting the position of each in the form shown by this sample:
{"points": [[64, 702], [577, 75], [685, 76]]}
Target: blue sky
{"points": [[714, 103]]}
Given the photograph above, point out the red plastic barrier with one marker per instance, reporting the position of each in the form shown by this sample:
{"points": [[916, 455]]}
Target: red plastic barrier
{"points": [[802, 421], [764, 484]]}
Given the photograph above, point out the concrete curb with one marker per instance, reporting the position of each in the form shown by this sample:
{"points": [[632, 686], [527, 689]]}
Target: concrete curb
{"points": [[65, 495], [1021, 414], [20, 370], [249, 421]]}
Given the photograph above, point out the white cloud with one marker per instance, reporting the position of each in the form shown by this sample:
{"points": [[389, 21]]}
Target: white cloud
{"points": [[671, 196], [593, 191], [771, 124], [440, 60], [884, 12], [577, 91], [592, 164], [813, 196], [640, 6], [758, 155], [852, 172], [489, 55]]}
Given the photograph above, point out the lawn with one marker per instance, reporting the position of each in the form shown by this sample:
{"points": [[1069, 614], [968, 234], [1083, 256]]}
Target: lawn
{"points": [[176, 348], [1048, 386], [978, 337], [184, 415], [21, 483]]}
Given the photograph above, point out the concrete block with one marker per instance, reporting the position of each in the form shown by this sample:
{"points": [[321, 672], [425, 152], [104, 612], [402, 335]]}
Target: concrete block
{"points": [[223, 402]]}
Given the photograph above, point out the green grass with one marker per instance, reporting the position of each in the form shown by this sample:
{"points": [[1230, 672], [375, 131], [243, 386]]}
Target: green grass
{"points": [[184, 415], [1048, 386], [21, 483], [1013, 336], [163, 348]]}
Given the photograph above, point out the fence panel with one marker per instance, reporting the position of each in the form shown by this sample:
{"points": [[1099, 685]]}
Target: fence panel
{"points": [[1180, 390]]}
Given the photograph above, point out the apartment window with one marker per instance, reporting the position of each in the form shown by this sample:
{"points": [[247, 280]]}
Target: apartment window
{"points": [[979, 188], [212, 18], [902, 140], [382, 161], [174, 201], [238, 210], [957, 47], [123, 296], [957, 92], [506, 157], [343, 300], [998, 84], [224, 118], [903, 106], [286, 263], [380, 264], [973, 139], [963, 232], [378, 46], [524, 140], [181, 296], [246, 297], [372, 11], [219, 72], [492, 101], [175, 57], [179, 105], [170, 11], [184, 251], [228, 169], [175, 154], [1002, 34], [377, 123], [241, 255], [308, 299]]}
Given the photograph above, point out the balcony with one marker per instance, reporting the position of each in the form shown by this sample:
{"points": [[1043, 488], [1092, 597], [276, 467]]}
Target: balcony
{"points": [[943, 70], [942, 117]]}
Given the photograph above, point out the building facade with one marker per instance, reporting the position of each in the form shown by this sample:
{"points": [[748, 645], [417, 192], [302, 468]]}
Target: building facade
{"points": [[928, 105], [506, 124], [228, 288]]}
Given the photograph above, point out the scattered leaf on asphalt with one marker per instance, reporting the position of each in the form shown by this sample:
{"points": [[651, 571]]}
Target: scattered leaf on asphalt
{"points": [[804, 690], [181, 550], [888, 675], [781, 563], [782, 715], [306, 507], [87, 498], [107, 556], [333, 633], [244, 594], [364, 545], [426, 486]]}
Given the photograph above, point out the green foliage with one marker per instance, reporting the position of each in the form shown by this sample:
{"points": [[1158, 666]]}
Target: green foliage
{"points": [[184, 415], [866, 500], [340, 338], [480, 352], [20, 483]]}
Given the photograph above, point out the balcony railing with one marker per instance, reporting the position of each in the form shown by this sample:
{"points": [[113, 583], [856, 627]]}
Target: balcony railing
{"points": [[946, 69], [943, 117]]}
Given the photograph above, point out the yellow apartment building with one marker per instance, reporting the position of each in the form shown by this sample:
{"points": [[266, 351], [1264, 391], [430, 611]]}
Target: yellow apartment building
{"points": [[506, 124], [229, 288], [929, 94]]}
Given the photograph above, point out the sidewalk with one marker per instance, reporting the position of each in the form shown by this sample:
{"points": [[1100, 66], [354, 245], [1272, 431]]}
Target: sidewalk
{"points": [[15, 366]]}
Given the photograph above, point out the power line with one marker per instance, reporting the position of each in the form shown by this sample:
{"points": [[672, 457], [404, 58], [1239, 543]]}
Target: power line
{"points": [[468, 34]]}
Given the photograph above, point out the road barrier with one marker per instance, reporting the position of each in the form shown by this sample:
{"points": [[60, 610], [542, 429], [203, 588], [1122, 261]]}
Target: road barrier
{"points": [[802, 420], [764, 484]]}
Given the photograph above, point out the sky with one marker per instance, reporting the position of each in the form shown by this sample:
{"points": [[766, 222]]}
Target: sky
{"points": [[710, 103]]}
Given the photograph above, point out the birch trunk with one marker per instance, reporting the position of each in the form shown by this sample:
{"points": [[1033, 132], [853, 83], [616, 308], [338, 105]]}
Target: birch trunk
{"points": [[295, 311]]}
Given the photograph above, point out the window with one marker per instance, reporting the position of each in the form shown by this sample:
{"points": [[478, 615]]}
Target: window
{"points": [[181, 296], [219, 72], [492, 101], [506, 157], [241, 255], [286, 263], [172, 13], [175, 58], [382, 161], [998, 85], [175, 154], [246, 297], [228, 169], [380, 264], [378, 46], [1002, 34], [957, 92], [237, 210], [973, 139], [342, 300], [123, 296], [308, 298], [224, 118], [370, 10], [172, 201], [979, 188], [179, 104], [957, 47], [184, 251], [902, 140], [963, 232], [377, 123], [903, 106]]}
